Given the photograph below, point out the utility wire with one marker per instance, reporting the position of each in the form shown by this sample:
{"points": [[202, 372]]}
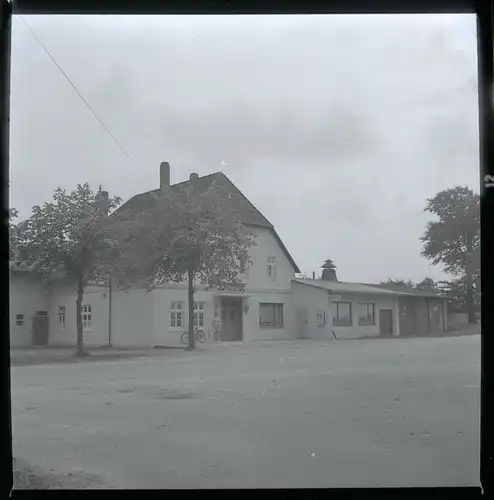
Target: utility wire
{"points": [[80, 95], [107, 130]]}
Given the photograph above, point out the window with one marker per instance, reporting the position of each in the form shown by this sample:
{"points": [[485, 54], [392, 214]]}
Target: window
{"points": [[244, 267], [321, 318], [19, 319], [366, 314], [343, 316], [87, 317], [272, 267], [176, 315], [199, 314], [271, 315], [61, 317]]}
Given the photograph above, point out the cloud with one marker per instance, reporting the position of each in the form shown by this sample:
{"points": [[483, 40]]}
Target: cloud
{"points": [[337, 128]]}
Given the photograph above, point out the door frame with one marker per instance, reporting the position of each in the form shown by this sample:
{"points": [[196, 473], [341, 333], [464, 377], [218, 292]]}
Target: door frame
{"points": [[386, 334], [238, 306]]}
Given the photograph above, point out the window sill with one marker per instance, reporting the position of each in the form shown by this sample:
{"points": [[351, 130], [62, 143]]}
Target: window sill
{"points": [[271, 327], [366, 324], [342, 324]]}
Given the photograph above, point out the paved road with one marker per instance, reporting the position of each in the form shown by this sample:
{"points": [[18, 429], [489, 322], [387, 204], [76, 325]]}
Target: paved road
{"points": [[397, 412]]}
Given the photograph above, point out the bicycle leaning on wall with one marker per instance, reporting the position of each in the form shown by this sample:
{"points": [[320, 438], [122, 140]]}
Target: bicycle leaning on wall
{"points": [[199, 335]]}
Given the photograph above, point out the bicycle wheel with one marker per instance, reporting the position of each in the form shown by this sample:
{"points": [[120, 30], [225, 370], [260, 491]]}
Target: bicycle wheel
{"points": [[185, 338], [200, 336]]}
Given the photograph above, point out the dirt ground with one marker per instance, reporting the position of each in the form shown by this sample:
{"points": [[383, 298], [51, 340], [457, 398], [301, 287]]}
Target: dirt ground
{"points": [[361, 413]]}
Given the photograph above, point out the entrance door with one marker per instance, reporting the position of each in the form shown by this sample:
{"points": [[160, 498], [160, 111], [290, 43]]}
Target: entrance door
{"points": [[435, 317], [40, 328], [302, 323], [231, 319], [386, 322]]}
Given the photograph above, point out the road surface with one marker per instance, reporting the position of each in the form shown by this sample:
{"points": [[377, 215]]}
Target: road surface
{"points": [[357, 413]]}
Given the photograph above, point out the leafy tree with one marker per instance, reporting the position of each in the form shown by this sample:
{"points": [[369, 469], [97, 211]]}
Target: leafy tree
{"points": [[398, 284], [427, 285], [453, 239], [66, 242], [13, 230], [184, 235]]}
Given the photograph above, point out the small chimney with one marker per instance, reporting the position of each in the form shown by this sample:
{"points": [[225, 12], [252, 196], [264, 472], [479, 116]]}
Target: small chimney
{"points": [[193, 176], [164, 174]]}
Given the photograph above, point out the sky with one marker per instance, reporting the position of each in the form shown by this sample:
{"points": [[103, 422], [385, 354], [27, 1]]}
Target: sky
{"points": [[338, 128]]}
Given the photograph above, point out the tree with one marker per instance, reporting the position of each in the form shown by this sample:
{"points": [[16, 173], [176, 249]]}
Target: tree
{"points": [[185, 235], [13, 231], [66, 242], [398, 284], [453, 239], [427, 285]]}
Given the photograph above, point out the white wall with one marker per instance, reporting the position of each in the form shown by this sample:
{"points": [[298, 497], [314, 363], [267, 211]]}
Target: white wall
{"points": [[252, 330], [95, 296], [313, 299], [164, 334], [356, 331], [267, 246], [26, 297], [132, 318]]}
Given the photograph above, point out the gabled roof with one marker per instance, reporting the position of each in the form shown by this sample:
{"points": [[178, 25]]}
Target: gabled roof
{"points": [[243, 209], [360, 288]]}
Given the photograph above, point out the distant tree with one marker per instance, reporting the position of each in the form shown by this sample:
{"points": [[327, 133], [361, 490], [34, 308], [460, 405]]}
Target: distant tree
{"points": [[186, 235], [398, 284], [66, 243], [453, 239], [456, 292], [427, 285], [13, 230]]}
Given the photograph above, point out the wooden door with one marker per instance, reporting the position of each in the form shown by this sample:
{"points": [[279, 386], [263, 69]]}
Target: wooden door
{"points": [[231, 322], [302, 323], [386, 322]]}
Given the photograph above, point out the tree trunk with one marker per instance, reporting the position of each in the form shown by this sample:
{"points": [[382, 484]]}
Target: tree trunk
{"points": [[470, 300], [192, 339], [80, 296], [469, 283]]}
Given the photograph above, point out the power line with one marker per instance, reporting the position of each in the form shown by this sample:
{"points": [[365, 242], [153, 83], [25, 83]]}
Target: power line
{"points": [[80, 95]]}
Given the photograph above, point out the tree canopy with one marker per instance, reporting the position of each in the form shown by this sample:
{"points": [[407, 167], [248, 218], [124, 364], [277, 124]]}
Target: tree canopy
{"points": [[185, 235], [65, 240], [452, 239]]}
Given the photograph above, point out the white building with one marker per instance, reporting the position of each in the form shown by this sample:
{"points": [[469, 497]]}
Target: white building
{"points": [[259, 308], [327, 308], [268, 304]]}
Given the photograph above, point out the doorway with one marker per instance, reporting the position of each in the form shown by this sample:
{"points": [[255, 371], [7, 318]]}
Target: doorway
{"points": [[302, 323], [40, 328], [231, 319], [386, 322]]}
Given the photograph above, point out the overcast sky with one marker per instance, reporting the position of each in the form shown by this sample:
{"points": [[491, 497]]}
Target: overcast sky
{"points": [[336, 127]]}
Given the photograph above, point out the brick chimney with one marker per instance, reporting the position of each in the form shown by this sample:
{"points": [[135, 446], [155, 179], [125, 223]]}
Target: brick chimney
{"points": [[164, 174], [193, 176]]}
